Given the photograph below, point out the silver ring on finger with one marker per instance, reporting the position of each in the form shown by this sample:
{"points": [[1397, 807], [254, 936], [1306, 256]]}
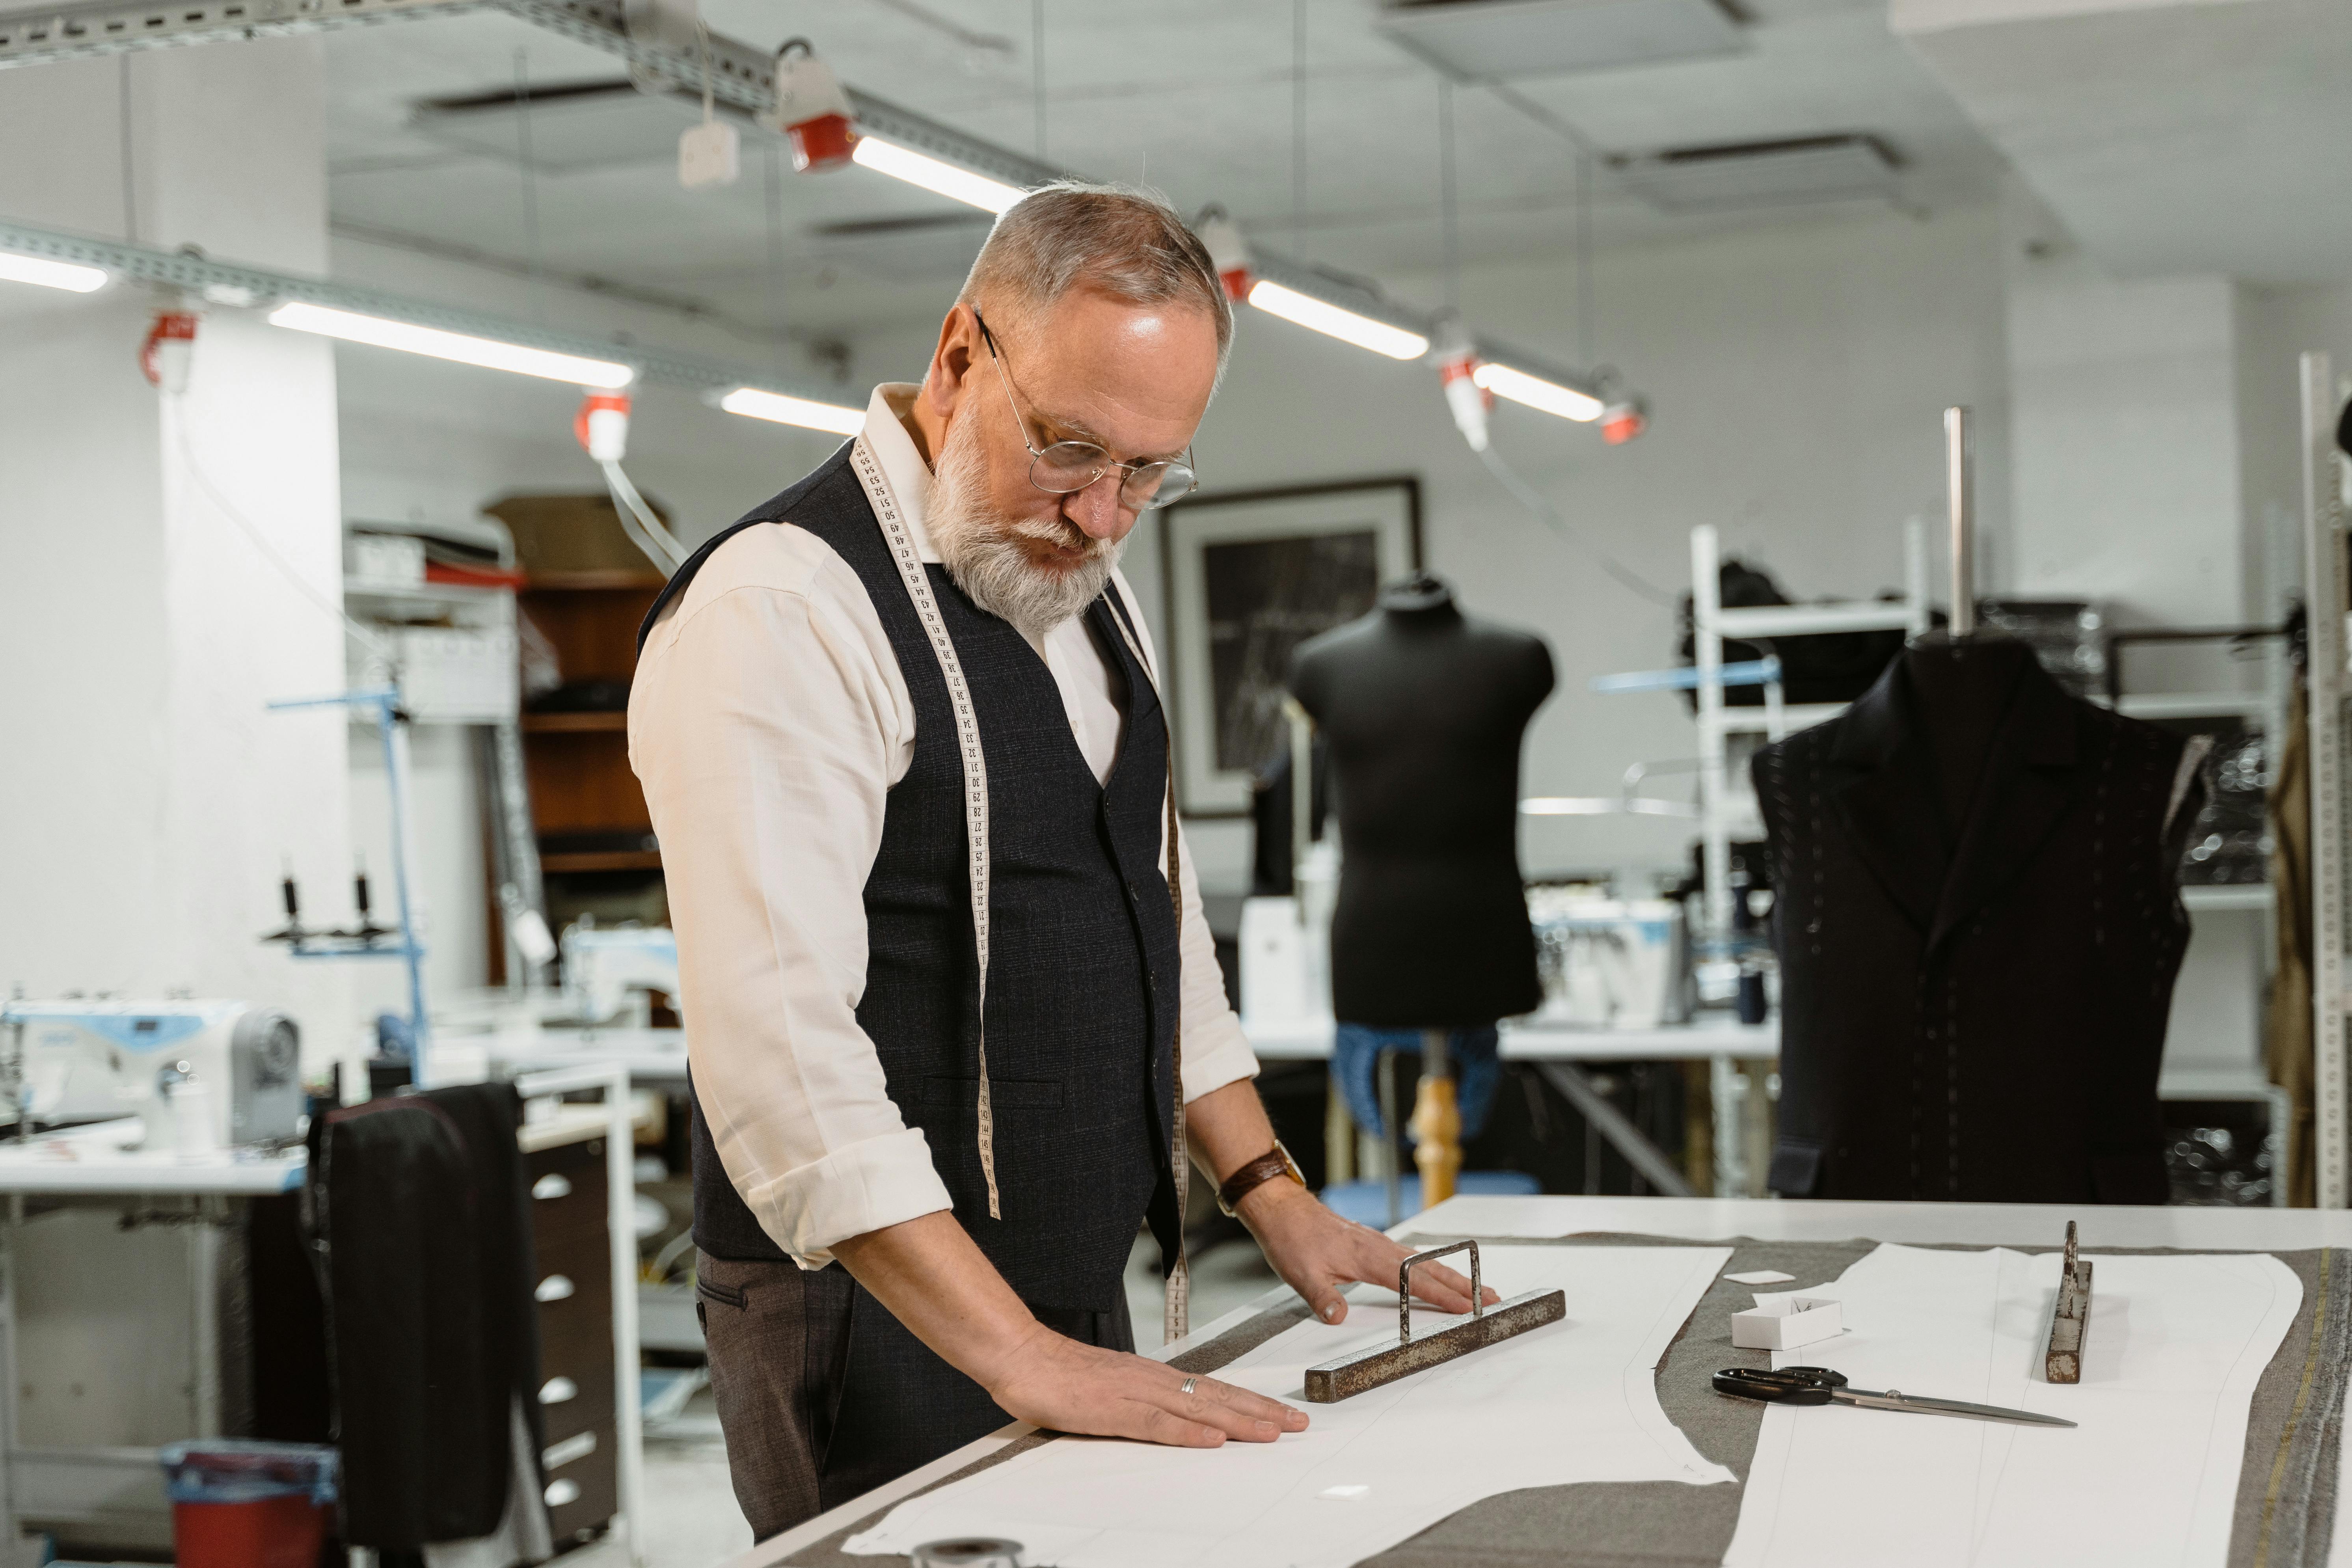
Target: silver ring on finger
{"points": [[1190, 1384]]}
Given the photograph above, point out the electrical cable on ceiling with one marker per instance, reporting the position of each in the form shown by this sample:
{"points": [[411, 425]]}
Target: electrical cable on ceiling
{"points": [[1452, 220], [1530, 497], [1298, 125], [776, 254], [702, 39], [529, 183], [130, 190], [979, 43], [1525, 494], [1584, 259], [1037, 69], [178, 414]]}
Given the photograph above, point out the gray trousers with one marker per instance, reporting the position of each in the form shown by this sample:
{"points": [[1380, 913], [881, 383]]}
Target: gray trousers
{"points": [[778, 1346], [810, 1426]]}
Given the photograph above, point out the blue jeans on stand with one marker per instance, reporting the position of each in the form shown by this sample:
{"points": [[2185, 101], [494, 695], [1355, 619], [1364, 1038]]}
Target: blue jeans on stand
{"points": [[1475, 1057]]}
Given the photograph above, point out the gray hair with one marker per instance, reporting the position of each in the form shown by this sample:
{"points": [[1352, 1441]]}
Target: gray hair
{"points": [[1126, 241]]}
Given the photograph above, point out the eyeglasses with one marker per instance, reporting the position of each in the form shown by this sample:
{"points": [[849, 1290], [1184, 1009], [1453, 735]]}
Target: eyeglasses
{"points": [[1066, 468]]}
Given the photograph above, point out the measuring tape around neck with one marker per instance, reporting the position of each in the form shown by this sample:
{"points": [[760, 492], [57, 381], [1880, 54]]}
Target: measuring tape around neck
{"points": [[900, 538], [901, 541]]}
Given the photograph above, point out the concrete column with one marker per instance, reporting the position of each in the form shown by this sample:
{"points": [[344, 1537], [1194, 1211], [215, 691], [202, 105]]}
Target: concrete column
{"points": [[2125, 450], [173, 565]]}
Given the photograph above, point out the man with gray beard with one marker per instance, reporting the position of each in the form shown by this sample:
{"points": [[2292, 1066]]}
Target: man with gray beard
{"points": [[955, 1021]]}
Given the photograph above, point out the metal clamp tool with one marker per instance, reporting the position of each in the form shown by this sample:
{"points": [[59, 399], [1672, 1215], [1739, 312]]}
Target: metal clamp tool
{"points": [[2071, 1320], [1349, 1374]]}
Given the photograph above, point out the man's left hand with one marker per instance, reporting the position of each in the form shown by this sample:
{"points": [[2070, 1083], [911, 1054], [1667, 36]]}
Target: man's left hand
{"points": [[1320, 1254]]}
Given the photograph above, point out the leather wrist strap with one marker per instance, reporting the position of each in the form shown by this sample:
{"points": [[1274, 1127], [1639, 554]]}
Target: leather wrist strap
{"points": [[1275, 1162]]}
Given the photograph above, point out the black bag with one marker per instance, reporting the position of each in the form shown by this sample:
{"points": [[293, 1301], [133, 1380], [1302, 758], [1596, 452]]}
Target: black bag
{"points": [[1827, 667]]}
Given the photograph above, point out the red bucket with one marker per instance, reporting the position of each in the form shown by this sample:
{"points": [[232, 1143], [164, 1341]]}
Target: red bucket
{"points": [[284, 1532], [239, 1504]]}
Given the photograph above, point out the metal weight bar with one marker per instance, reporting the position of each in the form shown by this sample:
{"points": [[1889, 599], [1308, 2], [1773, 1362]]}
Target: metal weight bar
{"points": [[1343, 1377]]}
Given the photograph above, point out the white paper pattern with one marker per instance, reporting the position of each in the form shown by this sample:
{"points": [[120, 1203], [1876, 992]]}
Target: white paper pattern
{"points": [[1575, 1400], [1527, 1219], [2149, 1476]]}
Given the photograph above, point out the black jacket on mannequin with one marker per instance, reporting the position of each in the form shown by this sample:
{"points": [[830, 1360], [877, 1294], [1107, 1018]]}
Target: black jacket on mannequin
{"points": [[1423, 709], [1979, 925]]}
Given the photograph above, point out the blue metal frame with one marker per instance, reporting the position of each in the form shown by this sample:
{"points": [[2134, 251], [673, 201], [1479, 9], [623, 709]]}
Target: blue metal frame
{"points": [[383, 703]]}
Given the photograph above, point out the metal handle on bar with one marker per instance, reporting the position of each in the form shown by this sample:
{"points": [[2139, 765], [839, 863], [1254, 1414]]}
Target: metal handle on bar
{"points": [[1404, 1285]]}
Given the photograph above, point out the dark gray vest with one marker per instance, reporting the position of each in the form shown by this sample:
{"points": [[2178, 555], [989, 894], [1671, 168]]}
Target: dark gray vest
{"points": [[1980, 1020], [1083, 975]]}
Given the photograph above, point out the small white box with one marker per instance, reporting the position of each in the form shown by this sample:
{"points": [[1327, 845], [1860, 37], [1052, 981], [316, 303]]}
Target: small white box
{"points": [[709, 154], [449, 675], [1787, 1323], [384, 558]]}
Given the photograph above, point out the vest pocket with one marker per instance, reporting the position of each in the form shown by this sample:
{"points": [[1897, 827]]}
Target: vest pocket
{"points": [[1004, 1093]]}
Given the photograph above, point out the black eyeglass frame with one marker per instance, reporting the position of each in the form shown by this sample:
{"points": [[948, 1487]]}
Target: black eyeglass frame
{"points": [[1128, 471]]}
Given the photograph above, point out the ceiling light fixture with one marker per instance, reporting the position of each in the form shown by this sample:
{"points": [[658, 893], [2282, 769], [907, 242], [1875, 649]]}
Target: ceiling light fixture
{"points": [[66, 275], [1330, 320], [432, 342], [1535, 392], [944, 179], [805, 412]]}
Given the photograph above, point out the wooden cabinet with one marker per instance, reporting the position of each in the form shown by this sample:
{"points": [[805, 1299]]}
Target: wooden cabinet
{"points": [[596, 849], [585, 802], [574, 1259]]}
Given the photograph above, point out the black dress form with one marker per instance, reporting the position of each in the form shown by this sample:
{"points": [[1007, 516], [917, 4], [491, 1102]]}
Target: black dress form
{"points": [[1961, 686], [1423, 710], [1979, 927]]}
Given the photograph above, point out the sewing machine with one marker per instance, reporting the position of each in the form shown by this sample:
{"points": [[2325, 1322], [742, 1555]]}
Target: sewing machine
{"points": [[608, 968], [91, 1061]]}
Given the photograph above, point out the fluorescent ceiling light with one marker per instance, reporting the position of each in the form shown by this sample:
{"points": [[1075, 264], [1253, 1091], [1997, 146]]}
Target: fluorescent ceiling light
{"points": [[63, 275], [945, 179], [1346, 325], [1537, 393], [488, 352], [805, 412]]}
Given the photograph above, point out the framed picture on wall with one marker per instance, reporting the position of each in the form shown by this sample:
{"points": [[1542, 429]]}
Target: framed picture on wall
{"points": [[1249, 576]]}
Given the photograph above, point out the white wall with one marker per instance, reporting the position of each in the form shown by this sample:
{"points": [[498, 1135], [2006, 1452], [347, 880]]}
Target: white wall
{"points": [[153, 797], [2275, 328]]}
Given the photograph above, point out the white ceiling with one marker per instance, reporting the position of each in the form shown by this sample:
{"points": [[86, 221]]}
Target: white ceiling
{"points": [[1195, 98], [2169, 136]]}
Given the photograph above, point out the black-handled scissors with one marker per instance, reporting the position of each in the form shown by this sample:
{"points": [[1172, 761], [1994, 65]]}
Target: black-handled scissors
{"points": [[1820, 1385]]}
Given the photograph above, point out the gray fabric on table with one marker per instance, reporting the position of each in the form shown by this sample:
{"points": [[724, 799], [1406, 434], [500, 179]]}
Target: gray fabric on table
{"points": [[2286, 1490]]}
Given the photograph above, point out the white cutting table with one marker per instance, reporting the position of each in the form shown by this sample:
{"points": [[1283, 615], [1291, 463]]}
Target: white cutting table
{"points": [[1740, 1058], [653, 1057], [1699, 1219]]}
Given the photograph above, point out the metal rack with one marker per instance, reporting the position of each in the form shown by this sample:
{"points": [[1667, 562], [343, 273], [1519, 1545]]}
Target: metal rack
{"points": [[2325, 595], [1721, 807]]}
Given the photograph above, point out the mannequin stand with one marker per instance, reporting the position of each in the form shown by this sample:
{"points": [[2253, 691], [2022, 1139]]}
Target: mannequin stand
{"points": [[1436, 1122]]}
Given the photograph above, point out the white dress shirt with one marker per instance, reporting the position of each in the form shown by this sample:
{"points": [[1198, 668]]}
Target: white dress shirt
{"points": [[768, 721]]}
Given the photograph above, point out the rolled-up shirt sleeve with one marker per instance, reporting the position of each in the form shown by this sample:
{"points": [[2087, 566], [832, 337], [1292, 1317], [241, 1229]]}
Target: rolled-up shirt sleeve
{"points": [[766, 721], [1216, 1052]]}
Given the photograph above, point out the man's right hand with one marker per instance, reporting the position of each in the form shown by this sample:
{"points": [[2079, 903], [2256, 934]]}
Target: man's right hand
{"points": [[1053, 1382]]}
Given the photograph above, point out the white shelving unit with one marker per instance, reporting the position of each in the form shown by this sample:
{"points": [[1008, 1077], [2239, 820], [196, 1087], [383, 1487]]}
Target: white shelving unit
{"points": [[2325, 594], [1724, 809]]}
